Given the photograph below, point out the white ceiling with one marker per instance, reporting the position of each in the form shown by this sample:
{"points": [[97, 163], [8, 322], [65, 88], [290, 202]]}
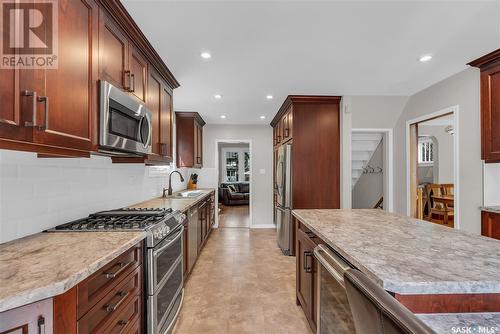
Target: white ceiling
{"points": [[305, 47], [440, 121]]}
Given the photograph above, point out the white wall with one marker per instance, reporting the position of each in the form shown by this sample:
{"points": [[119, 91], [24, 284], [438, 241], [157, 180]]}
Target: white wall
{"points": [[37, 194], [262, 164], [461, 89], [445, 151]]}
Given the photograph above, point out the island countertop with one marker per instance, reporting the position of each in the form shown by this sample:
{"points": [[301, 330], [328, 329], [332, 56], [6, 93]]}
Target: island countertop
{"points": [[406, 255]]}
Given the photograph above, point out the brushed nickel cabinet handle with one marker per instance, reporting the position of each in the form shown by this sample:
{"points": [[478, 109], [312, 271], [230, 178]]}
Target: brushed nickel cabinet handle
{"points": [[132, 77], [45, 100], [112, 274], [34, 100], [112, 307]]}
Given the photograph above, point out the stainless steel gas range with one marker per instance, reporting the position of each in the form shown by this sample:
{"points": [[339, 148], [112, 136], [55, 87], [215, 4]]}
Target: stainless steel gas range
{"points": [[163, 256]]}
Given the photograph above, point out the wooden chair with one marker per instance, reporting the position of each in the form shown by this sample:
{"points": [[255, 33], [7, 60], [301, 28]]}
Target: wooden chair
{"points": [[438, 208], [448, 189]]}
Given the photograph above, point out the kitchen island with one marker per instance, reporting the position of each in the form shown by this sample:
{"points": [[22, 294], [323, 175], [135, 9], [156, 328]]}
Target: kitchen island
{"points": [[427, 267]]}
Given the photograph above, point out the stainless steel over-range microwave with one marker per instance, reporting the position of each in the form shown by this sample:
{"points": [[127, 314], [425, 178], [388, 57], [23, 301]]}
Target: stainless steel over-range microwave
{"points": [[125, 124]]}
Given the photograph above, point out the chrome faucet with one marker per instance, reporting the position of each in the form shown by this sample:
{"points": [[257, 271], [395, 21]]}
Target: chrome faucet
{"points": [[168, 191]]}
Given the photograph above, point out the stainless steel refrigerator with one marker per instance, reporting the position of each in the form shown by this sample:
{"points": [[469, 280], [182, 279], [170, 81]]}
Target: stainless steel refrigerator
{"points": [[284, 222]]}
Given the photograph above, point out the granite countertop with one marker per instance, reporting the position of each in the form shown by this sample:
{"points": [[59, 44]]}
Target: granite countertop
{"points": [[406, 255], [174, 202], [44, 265], [474, 322], [494, 209]]}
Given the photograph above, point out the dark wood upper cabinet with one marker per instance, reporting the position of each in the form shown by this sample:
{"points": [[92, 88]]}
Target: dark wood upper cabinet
{"points": [[154, 105], [54, 112], [113, 53], [66, 111], [490, 105], [138, 67], [166, 123], [189, 126]]}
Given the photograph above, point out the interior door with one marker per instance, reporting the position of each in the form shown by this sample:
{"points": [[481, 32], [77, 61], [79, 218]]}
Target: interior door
{"points": [[66, 94]]}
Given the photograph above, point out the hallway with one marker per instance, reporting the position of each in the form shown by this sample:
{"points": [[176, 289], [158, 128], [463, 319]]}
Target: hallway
{"points": [[241, 284], [234, 216]]}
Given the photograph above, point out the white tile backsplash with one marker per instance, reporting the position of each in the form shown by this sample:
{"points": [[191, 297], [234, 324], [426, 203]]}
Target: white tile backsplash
{"points": [[491, 184], [40, 193]]}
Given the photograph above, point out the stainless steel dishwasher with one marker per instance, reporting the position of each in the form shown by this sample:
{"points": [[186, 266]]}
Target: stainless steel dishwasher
{"points": [[334, 314], [192, 236]]}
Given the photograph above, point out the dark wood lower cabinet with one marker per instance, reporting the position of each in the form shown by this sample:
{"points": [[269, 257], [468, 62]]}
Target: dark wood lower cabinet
{"points": [[118, 303], [202, 228], [490, 224], [307, 269]]}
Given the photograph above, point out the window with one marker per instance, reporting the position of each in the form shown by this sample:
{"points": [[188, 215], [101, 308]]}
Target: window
{"points": [[232, 166], [235, 164], [247, 166], [425, 151]]}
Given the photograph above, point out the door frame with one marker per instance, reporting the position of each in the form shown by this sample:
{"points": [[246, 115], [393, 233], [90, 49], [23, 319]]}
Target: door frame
{"points": [[388, 157], [217, 160], [456, 156]]}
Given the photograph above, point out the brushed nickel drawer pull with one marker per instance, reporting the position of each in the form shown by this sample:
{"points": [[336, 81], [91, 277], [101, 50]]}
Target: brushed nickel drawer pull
{"points": [[34, 98], [121, 266], [123, 322], [112, 307]]}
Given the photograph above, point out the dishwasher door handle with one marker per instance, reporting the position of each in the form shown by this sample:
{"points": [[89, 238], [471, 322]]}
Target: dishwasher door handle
{"points": [[331, 262]]}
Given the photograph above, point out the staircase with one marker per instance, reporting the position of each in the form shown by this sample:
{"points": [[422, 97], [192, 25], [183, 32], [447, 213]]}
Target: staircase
{"points": [[363, 145]]}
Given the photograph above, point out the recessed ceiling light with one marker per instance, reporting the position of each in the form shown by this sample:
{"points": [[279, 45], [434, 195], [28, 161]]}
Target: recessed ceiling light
{"points": [[262, 117], [223, 116], [425, 58], [206, 55], [269, 97], [218, 96]]}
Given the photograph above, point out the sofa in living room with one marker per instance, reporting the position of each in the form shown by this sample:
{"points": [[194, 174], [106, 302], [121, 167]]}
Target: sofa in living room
{"points": [[234, 193]]}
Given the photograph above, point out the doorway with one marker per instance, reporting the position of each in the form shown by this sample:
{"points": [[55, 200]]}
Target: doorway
{"points": [[371, 169], [432, 167], [234, 183]]}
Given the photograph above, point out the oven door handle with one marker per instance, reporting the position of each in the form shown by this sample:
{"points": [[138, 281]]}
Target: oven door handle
{"points": [[160, 250], [332, 263]]}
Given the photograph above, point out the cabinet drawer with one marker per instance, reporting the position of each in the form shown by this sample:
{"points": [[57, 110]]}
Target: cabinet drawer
{"points": [[127, 321], [113, 306], [102, 282]]}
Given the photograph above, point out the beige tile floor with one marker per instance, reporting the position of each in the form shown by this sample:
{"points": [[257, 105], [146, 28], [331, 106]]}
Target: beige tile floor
{"points": [[234, 216], [241, 284]]}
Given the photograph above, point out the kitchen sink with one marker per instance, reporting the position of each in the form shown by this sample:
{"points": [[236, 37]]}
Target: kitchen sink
{"points": [[190, 193]]}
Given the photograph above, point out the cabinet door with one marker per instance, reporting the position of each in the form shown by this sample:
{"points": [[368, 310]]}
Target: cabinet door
{"points": [[166, 121], [288, 131], [16, 109], [490, 225], [66, 94], [113, 53], [304, 268], [154, 105], [138, 67], [490, 113]]}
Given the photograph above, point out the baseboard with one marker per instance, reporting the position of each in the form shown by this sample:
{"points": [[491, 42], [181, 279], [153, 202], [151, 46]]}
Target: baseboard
{"points": [[264, 226]]}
